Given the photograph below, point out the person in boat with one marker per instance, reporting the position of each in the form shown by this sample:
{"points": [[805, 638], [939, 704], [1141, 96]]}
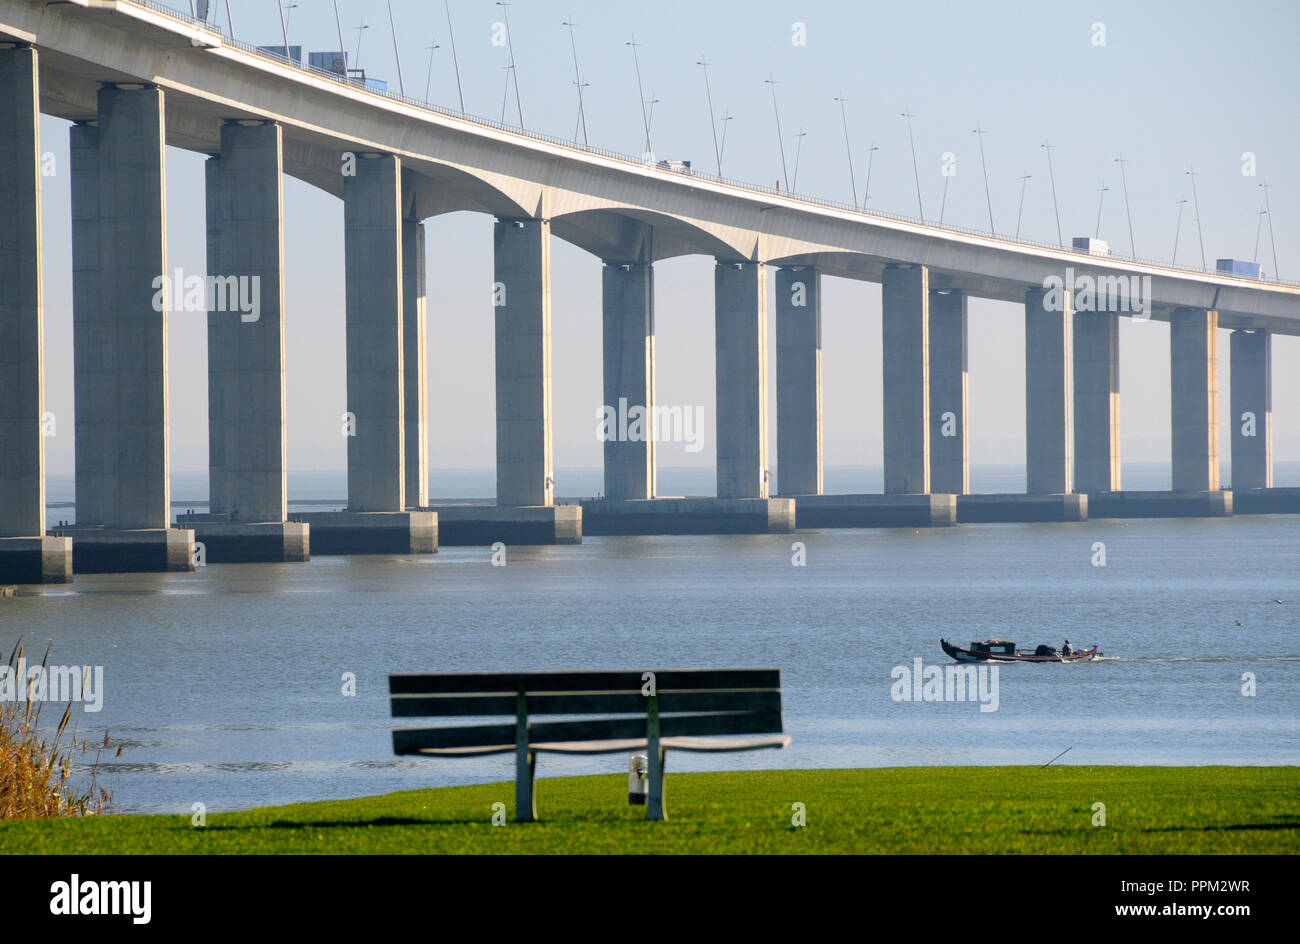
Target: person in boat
{"points": [[1067, 649]]}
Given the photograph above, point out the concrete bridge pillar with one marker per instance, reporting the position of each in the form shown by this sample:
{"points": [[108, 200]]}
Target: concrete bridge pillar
{"points": [[522, 296], [1049, 392], [383, 252], [121, 292], [799, 380], [629, 380], [1251, 401], [26, 554], [246, 434], [22, 355], [740, 364], [415, 363], [133, 437], [92, 343], [1194, 379], [905, 319], [372, 209], [1096, 402], [949, 394], [247, 491]]}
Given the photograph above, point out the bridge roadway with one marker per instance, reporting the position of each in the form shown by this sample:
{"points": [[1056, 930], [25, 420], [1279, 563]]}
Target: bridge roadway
{"points": [[134, 77]]}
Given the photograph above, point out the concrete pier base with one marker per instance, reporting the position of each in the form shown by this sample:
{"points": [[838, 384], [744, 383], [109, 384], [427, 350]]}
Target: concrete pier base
{"points": [[1266, 501], [35, 560], [240, 542], [485, 525], [1186, 504], [1011, 508], [370, 532], [689, 516], [876, 511], [131, 551]]}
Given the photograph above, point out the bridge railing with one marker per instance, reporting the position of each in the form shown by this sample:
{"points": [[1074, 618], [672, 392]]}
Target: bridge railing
{"points": [[641, 162]]}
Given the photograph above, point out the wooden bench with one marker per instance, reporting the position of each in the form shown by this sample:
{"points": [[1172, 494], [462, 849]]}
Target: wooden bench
{"points": [[679, 709]]}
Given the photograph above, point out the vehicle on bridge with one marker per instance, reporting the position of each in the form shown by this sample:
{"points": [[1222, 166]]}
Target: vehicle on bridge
{"points": [[999, 650], [1091, 245], [1250, 270], [678, 167]]}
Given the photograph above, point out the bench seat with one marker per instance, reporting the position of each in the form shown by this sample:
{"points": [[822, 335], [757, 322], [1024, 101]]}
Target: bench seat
{"points": [[702, 745]]}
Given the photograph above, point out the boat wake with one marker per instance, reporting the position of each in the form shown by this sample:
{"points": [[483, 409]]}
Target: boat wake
{"points": [[1197, 659]]}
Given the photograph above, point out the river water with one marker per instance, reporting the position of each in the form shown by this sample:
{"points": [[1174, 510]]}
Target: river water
{"points": [[226, 686]]}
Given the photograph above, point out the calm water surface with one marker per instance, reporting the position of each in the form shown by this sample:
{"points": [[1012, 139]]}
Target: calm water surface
{"points": [[225, 685]]}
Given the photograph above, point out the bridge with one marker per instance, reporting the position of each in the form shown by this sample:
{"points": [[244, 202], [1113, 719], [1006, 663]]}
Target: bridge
{"points": [[136, 76]]}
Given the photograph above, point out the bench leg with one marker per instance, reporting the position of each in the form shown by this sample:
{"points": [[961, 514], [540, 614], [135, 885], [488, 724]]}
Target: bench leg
{"points": [[525, 799], [654, 806]]}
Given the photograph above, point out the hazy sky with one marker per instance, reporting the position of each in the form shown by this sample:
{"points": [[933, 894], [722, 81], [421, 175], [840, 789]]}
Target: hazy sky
{"points": [[1175, 85]]}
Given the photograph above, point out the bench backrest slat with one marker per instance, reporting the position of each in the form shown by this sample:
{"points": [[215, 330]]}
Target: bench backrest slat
{"points": [[412, 740], [689, 702], [583, 703], [446, 683]]}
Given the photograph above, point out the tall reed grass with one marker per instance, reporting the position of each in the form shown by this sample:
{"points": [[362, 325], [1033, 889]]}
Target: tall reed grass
{"points": [[36, 771]]}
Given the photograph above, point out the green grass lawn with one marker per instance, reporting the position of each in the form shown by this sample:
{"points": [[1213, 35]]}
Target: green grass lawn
{"points": [[914, 810]]}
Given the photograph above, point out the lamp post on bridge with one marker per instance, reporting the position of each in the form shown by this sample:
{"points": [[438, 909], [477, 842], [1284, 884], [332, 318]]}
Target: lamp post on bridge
{"points": [[770, 82], [1178, 227], [916, 173], [1272, 241], [1196, 207], [726, 116], [428, 78], [979, 133], [640, 94], [1056, 207], [1020, 210], [713, 124], [871, 157], [847, 147], [1102, 191], [798, 148], [1132, 247], [577, 80]]}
